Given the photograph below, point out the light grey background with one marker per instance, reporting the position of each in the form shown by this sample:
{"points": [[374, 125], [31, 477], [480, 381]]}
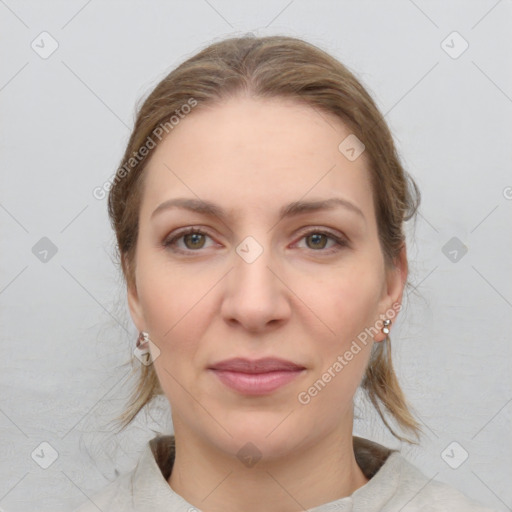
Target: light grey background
{"points": [[65, 331]]}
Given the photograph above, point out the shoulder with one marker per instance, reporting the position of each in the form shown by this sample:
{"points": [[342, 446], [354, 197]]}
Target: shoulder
{"points": [[145, 487], [416, 492], [115, 497]]}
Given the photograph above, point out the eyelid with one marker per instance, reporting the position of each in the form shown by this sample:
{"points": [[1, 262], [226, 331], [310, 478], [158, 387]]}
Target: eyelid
{"points": [[322, 229]]}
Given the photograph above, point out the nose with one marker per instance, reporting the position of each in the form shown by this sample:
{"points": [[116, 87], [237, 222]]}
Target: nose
{"points": [[256, 296]]}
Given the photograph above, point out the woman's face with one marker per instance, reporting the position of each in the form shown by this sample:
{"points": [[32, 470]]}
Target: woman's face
{"points": [[257, 284]]}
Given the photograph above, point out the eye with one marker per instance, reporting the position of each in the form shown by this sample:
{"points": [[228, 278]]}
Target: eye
{"points": [[193, 239], [318, 240]]}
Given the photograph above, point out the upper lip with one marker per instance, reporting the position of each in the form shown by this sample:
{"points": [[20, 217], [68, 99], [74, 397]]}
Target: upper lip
{"points": [[264, 365]]}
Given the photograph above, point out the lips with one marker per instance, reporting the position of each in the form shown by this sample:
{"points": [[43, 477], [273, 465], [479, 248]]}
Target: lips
{"points": [[256, 377], [264, 365]]}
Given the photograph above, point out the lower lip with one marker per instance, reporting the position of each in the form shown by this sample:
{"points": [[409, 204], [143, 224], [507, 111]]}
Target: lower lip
{"points": [[256, 383]]}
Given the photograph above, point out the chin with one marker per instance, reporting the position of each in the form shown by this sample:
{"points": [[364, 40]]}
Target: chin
{"points": [[267, 436]]}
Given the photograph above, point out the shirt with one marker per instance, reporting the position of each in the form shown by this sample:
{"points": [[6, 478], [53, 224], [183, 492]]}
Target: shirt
{"points": [[394, 485]]}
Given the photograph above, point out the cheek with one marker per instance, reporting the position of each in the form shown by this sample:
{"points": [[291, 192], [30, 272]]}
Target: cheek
{"points": [[344, 299], [174, 314], [347, 307], [174, 299], [175, 305]]}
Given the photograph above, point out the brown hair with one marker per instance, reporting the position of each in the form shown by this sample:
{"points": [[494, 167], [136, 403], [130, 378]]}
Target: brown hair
{"points": [[272, 67]]}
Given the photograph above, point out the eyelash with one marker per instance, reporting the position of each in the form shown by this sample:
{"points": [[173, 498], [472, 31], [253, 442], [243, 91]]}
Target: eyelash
{"points": [[340, 242]]}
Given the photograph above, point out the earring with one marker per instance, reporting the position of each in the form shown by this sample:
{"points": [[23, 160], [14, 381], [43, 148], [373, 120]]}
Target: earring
{"points": [[142, 352], [386, 323]]}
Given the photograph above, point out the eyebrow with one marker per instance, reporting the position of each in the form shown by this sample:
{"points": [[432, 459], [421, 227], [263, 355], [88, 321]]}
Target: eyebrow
{"points": [[295, 208]]}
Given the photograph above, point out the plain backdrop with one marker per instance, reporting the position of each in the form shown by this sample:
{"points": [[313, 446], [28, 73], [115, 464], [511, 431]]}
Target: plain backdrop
{"points": [[71, 75]]}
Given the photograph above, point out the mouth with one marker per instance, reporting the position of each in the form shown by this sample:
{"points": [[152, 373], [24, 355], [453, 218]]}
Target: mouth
{"points": [[256, 377]]}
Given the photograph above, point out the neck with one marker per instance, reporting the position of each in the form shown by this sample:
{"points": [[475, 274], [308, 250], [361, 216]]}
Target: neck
{"points": [[214, 481]]}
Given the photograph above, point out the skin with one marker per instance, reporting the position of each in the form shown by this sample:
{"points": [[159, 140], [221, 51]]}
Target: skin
{"points": [[296, 301]]}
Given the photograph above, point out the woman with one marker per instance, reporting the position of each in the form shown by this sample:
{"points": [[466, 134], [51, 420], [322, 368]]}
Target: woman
{"points": [[259, 214]]}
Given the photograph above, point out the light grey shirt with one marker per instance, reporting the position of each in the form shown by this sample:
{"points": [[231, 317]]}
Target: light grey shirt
{"points": [[394, 485]]}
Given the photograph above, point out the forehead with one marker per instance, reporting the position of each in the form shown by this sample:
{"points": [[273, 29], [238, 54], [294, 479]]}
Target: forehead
{"points": [[257, 152]]}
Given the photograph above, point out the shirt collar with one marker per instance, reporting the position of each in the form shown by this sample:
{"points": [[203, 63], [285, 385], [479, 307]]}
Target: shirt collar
{"points": [[151, 490]]}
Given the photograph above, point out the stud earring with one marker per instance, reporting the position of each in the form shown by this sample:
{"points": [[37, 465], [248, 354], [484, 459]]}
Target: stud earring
{"points": [[142, 352], [386, 323]]}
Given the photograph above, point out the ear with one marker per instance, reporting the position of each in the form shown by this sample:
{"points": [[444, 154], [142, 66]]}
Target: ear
{"points": [[394, 287], [134, 304]]}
